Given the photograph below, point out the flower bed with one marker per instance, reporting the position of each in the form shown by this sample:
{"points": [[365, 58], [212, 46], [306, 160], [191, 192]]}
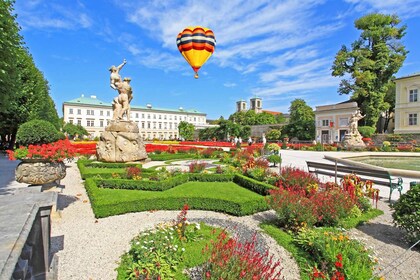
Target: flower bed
{"points": [[85, 147], [56, 151]]}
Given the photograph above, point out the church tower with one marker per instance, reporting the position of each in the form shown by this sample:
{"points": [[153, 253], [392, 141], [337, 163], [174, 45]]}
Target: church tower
{"points": [[256, 104], [240, 106]]}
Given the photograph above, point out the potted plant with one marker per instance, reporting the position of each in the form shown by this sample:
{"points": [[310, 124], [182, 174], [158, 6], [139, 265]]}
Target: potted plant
{"points": [[41, 152]]}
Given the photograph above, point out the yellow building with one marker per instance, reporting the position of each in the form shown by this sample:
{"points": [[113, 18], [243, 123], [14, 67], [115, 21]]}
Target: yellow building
{"points": [[407, 104]]}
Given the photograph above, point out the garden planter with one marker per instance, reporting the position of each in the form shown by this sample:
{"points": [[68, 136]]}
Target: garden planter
{"points": [[39, 171]]}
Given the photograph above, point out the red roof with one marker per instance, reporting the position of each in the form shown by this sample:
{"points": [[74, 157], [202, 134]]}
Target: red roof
{"points": [[272, 112]]}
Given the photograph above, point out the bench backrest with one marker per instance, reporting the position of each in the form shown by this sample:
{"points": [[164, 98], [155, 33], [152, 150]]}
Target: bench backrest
{"points": [[360, 171]]}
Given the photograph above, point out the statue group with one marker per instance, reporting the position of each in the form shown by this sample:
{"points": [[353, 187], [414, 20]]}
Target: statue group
{"points": [[121, 140], [353, 139], [121, 103]]}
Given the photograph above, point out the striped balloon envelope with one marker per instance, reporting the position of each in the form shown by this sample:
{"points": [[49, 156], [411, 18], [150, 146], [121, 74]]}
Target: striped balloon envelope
{"points": [[196, 45]]}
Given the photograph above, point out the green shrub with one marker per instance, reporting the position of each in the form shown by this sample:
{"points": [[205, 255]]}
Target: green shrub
{"points": [[366, 131], [37, 132], [333, 253], [407, 213], [165, 156], [253, 185], [274, 159]]}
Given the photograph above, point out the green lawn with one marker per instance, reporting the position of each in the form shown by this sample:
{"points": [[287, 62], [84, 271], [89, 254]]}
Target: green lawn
{"points": [[225, 197]]}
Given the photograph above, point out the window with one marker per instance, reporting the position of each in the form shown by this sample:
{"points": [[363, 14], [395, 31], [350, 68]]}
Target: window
{"points": [[412, 119], [413, 95], [325, 122], [101, 123], [89, 112], [175, 118], [142, 116], [101, 113], [79, 121], [148, 116], [154, 125], [71, 121], [344, 121], [79, 111], [108, 113], [90, 122], [160, 125], [148, 124], [71, 111], [164, 117], [160, 117], [137, 115], [142, 124]]}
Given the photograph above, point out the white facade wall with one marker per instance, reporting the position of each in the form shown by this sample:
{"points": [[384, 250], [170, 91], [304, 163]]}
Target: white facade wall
{"points": [[153, 123], [407, 105], [332, 121]]}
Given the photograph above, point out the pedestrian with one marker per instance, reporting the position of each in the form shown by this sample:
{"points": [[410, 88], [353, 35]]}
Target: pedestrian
{"points": [[249, 141]]}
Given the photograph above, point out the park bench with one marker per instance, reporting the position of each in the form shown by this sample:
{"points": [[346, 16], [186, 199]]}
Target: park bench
{"points": [[376, 175]]}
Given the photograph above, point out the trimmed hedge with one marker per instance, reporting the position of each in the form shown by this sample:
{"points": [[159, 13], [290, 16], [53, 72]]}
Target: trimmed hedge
{"points": [[111, 164], [129, 184], [253, 185], [37, 132], [103, 209], [165, 157]]}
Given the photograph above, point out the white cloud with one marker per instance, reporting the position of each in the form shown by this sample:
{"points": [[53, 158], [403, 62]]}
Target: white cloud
{"points": [[48, 15], [405, 9], [229, 85]]}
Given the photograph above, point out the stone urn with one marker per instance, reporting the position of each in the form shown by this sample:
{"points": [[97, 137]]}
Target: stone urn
{"points": [[39, 171]]}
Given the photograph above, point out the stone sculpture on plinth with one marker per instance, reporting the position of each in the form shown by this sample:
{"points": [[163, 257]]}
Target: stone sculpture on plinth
{"points": [[354, 139], [121, 140]]}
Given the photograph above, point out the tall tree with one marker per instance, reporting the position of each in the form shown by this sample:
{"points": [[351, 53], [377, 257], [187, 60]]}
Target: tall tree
{"points": [[10, 43], [186, 130], [302, 121], [371, 62], [24, 90]]}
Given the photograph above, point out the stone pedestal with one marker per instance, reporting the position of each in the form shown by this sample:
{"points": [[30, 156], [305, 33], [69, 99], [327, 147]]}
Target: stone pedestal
{"points": [[353, 141], [121, 142], [39, 172]]}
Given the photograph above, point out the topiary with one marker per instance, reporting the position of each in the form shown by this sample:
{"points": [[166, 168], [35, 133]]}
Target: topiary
{"points": [[37, 132], [366, 131], [407, 213]]}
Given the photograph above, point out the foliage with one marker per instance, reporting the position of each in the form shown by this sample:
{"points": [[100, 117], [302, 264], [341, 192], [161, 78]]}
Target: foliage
{"points": [[333, 255], [302, 121], [159, 253], [407, 213], [133, 172], [57, 151], [274, 159], [293, 176], [366, 131], [371, 62], [273, 147], [25, 92], [37, 132], [186, 130], [228, 258], [273, 134], [249, 117], [72, 130], [197, 167]]}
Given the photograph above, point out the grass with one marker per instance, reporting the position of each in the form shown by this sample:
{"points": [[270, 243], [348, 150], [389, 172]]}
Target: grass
{"points": [[225, 197]]}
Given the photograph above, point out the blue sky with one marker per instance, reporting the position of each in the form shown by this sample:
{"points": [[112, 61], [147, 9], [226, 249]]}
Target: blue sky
{"points": [[277, 50]]}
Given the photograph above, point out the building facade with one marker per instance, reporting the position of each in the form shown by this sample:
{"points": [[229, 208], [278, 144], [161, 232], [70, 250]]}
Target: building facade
{"points": [[407, 104], [332, 121], [154, 123]]}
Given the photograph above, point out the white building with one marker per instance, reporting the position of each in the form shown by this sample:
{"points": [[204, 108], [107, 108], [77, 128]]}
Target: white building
{"points": [[154, 123], [407, 104], [332, 121]]}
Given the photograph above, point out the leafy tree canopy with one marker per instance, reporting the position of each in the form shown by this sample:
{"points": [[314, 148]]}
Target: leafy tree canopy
{"points": [[370, 63], [186, 130], [302, 121]]}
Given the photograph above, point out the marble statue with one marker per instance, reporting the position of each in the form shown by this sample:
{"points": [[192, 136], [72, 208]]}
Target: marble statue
{"points": [[121, 103], [353, 139]]}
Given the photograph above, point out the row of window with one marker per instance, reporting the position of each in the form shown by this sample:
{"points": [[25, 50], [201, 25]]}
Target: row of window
{"points": [[328, 123], [91, 112], [150, 125]]}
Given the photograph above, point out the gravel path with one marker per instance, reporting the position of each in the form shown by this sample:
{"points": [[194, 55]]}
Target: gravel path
{"points": [[395, 262], [90, 249]]}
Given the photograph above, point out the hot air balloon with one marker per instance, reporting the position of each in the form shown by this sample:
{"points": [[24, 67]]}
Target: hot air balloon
{"points": [[196, 45]]}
